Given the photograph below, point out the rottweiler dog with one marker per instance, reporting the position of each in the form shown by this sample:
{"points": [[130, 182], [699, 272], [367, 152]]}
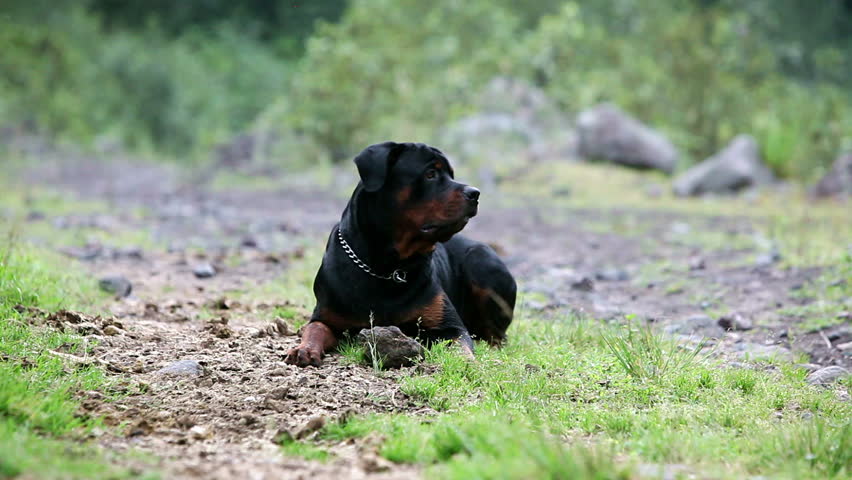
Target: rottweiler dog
{"points": [[395, 259]]}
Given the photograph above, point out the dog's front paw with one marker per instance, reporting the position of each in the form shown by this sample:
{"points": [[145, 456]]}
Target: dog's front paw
{"points": [[304, 355]]}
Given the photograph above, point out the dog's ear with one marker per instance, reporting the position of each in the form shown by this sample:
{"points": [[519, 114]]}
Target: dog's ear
{"points": [[374, 162]]}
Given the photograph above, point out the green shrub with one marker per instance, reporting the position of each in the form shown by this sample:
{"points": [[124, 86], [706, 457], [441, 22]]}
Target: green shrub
{"points": [[702, 73], [394, 69], [144, 89]]}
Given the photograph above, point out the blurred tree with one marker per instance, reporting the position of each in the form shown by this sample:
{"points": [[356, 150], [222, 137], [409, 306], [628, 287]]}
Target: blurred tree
{"points": [[812, 42], [268, 20]]}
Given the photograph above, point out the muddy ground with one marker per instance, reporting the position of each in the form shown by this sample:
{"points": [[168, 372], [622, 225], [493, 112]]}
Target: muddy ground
{"points": [[218, 414]]}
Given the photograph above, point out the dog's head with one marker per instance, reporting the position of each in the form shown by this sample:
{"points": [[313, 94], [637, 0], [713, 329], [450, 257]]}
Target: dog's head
{"points": [[411, 187]]}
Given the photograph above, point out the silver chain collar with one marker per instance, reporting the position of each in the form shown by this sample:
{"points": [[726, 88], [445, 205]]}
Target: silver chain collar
{"points": [[397, 276]]}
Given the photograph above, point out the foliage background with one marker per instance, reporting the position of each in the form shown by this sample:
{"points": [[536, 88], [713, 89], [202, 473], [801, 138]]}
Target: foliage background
{"points": [[326, 77]]}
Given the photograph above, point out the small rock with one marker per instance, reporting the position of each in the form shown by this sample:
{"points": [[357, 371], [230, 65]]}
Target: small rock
{"points": [[838, 180], [222, 303], [200, 432], [312, 425], [735, 322], [86, 253], [185, 421], [278, 393], [204, 270], [188, 368], [35, 215], [249, 242], [697, 263], [827, 375], [372, 463], [116, 285], [88, 328], [112, 330], [838, 332], [394, 348], [219, 329], [278, 328], [584, 284], [844, 347], [140, 428], [699, 324], [767, 259], [611, 275], [561, 191]]}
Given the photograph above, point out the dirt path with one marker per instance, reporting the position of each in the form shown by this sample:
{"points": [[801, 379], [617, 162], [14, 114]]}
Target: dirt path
{"points": [[216, 414]]}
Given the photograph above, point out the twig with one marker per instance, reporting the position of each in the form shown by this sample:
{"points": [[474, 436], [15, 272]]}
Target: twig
{"points": [[826, 340]]}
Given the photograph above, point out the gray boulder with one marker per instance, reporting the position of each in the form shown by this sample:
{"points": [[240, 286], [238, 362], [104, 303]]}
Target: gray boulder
{"points": [[735, 167], [827, 375], [391, 346], [608, 134], [838, 180]]}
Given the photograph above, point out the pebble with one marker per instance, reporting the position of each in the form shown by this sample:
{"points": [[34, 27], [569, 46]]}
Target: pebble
{"points": [[116, 285], [189, 368], [584, 284], [312, 425], [612, 275], [768, 259], [200, 432], [697, 263], [88, 328], [204, 270], [112, 330], [735, 321]]}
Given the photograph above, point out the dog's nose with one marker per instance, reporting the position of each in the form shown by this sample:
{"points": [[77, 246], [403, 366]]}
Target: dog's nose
{"points": [[471, 193]]}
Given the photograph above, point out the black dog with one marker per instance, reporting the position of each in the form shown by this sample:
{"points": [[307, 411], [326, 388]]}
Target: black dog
{"points": [[394, 260]]}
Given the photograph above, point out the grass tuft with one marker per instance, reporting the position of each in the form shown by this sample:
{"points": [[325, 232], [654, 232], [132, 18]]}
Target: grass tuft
{"points": [[646, 355]]}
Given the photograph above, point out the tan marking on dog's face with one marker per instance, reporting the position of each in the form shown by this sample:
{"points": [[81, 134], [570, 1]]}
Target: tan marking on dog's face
{"points": [[409, 239]]}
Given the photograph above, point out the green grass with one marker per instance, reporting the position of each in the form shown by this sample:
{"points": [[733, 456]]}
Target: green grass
{"points": [[827, 296], [40, 431], [584, 400], [308, 451], [295, 285], [645, 355], [807, 232], [20, 201]]}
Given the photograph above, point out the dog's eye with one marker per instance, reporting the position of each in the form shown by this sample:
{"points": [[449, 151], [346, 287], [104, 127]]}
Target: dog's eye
{"points": [[431, 174]]}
